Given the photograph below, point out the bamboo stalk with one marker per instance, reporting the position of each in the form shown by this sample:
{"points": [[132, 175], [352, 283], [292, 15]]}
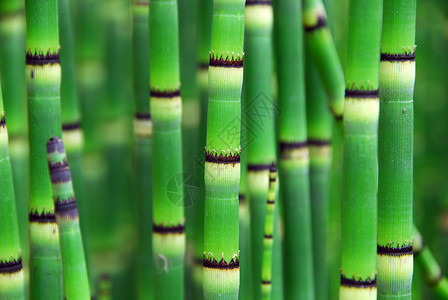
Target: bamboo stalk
{"points": [[76, 283], [268, 238], [324, 54], [11, 271], [359, 207], [43, 76], [294, 159], [142, 156], [319, 127], [396, 141], [12, 64], [260, 113], [430, 269], [222, 159], [165, 106]]}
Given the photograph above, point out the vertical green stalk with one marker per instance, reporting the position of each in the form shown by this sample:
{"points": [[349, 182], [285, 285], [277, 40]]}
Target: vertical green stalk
{"points": [[12, 64], [396, 151], [11, 271], [204, 29], [166, 109], [260, 112], [70, 114], [319, 127], [359, 207], [221, 271], [76, 283], [142, 160], [324, 54], [43, 76], [431, 270], [294, 155], [268, 238]]}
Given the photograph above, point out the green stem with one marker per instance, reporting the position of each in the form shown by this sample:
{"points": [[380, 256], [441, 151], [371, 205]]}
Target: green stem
{"points": [[222, 160], [76, 282], [165, 105], [324, 54], [360, 187], [395, 149], [142, 159], [11, 271], [43, 76], [430, 269]]}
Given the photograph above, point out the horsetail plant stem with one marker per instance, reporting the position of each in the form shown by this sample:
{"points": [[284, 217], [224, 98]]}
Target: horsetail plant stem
{"points": [[293, 156], [43, 77], [319, 130], [359, 206], [76, 283], [70, 114], [166, 109], [221, 271], [324, 54], [268, 238], [261, 151], [12, 64], [11, 271], [396, 150], [142, 158], [431, 270]]}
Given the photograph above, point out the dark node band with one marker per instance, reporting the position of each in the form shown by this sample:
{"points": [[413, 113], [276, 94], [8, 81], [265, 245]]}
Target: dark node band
{"points": [[436, 280], [9, 267], [66, 208], [55, 144], [168, 229], [71, 126], [212, 263], [321, 23], [220, 159], [271, 202], [60, 172], [258, 2], [3, 121], [365, 94], [381, 250], [319, 143], [292, 145], [258, 167], [35, 217], [268, 236], [226, 63], [164, 94], [40, 60], [397, 57], [203, 66], [267, 282], [272, 179], [351, 282], [143, 116], [241, 198]]}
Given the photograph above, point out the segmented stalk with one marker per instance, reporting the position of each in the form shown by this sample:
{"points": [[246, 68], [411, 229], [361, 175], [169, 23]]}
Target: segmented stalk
{"points": [[11, 271], [359, 207], [76, 283], [12, 64], [431, 270], [293, 157], [268, 238], [222, 160], [142, 157], [260, 112], [324, 54], [319, 127], [166, 109], [43, 77], [396, 142]]}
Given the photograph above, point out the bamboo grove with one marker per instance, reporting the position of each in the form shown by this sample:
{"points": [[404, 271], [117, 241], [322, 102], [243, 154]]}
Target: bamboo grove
{"points": [[223, 149]]}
